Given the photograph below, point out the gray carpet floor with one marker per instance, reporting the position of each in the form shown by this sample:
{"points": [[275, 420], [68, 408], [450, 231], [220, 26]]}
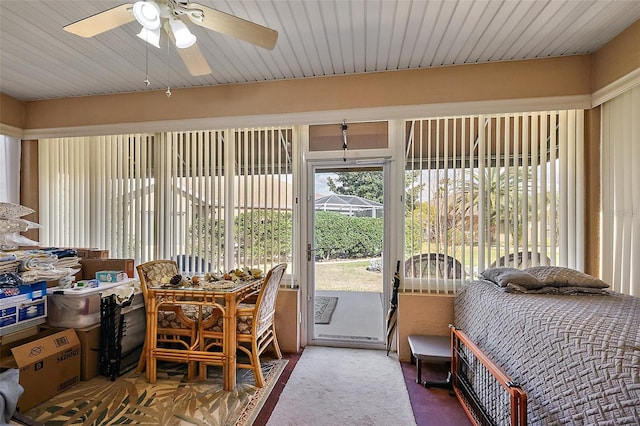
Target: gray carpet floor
{"points": [[340, 386]]}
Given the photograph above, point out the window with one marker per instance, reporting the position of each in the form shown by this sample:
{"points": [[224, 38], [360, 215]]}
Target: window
{"points": [[213, 200], [491, 190]]}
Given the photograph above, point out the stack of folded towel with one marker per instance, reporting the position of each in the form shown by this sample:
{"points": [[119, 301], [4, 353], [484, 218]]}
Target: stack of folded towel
{"points": [[45, 265], [9, 263]]}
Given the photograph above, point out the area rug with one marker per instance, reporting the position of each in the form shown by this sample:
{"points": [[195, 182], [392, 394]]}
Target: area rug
{"points": [[170, 401], [346, 387], [323, 308]]}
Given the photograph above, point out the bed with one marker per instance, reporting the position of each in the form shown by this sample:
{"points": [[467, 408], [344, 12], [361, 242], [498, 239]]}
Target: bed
{"points": [[575, 354]]}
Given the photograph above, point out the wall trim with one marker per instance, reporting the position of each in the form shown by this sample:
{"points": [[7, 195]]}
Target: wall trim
{"points": [[15, 132], [616, 88], [324, 117]]}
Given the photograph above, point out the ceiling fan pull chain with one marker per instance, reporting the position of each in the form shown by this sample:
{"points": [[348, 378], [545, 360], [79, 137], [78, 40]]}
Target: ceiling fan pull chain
{"points": [[147, 83], [168, 92]]}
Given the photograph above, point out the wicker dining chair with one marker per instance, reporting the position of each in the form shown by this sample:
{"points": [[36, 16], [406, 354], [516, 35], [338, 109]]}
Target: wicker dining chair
{"points": [[433, 265], [175, 326], [256, 328], [521, 260]]}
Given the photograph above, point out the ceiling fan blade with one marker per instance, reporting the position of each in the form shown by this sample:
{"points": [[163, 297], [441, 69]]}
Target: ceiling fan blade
{"points": [[234, 26], [101, 22], [194, 60], [191, 56]]}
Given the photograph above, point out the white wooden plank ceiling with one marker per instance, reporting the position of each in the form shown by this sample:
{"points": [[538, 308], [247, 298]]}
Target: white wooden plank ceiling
{"points": [[38, 60]]}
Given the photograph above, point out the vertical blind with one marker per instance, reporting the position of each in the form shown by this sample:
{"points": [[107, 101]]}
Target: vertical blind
{"points": [[263, 209], [620, 192], [492, 190], [206, 199], [89, 187], [190, 199]]}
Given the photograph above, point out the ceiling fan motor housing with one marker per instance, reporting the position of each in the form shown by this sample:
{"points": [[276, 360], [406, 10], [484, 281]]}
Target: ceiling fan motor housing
{"points": [[147, 13]]}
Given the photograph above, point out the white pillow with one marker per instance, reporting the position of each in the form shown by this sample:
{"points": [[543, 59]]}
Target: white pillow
{"points": [[504, 276], [558, 276]]}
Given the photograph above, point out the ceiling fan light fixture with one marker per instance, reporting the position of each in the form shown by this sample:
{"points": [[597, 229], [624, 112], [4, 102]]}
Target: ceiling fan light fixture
{"points": [[184, 37], [150, 36], [147, 13]]}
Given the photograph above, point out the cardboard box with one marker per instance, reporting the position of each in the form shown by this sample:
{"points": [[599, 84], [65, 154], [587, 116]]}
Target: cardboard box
{"points": [[23, 325], [90, 252], [48, 365], [22, 333], [82, 252], [6, 359], [90, 351], [91, 266], [98, 254]]}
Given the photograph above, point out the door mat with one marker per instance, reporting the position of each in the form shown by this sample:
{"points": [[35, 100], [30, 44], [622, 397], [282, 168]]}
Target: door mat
{"points": [[340, 336], [323, 309]]}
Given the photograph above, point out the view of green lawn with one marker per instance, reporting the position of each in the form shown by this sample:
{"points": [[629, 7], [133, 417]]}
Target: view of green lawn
{"points": [[347, 275]]}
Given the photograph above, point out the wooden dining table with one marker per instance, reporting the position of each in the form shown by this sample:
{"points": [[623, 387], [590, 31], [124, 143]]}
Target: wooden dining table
{"points": [[224, 299]]}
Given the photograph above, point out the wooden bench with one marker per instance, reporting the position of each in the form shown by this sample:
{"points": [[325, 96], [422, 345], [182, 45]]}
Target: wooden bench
{"points": [[431, 349]]}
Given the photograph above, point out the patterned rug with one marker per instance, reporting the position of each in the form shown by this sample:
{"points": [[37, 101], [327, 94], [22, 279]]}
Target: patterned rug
{"points": [[323, 308], [170, 401]]}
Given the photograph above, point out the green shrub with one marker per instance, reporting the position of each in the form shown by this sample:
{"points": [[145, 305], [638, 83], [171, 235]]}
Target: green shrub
{"points": [[341, 236]]}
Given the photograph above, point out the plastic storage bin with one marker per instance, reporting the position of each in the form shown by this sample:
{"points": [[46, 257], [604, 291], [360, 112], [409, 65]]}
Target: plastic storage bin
{"points": [[77, 308]]}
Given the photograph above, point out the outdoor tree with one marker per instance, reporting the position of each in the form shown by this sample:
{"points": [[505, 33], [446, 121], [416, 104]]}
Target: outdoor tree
{"points": [[463, 193], [501, 188], [367, 185], [420, 227], [413, 189]]}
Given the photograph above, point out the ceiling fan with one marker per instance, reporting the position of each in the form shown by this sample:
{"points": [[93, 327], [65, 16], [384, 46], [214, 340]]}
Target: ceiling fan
{"points": [[170, 16]]}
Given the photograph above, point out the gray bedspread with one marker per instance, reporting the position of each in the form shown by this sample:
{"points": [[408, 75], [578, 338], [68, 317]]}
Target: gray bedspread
{"points": [[576, 356]]}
